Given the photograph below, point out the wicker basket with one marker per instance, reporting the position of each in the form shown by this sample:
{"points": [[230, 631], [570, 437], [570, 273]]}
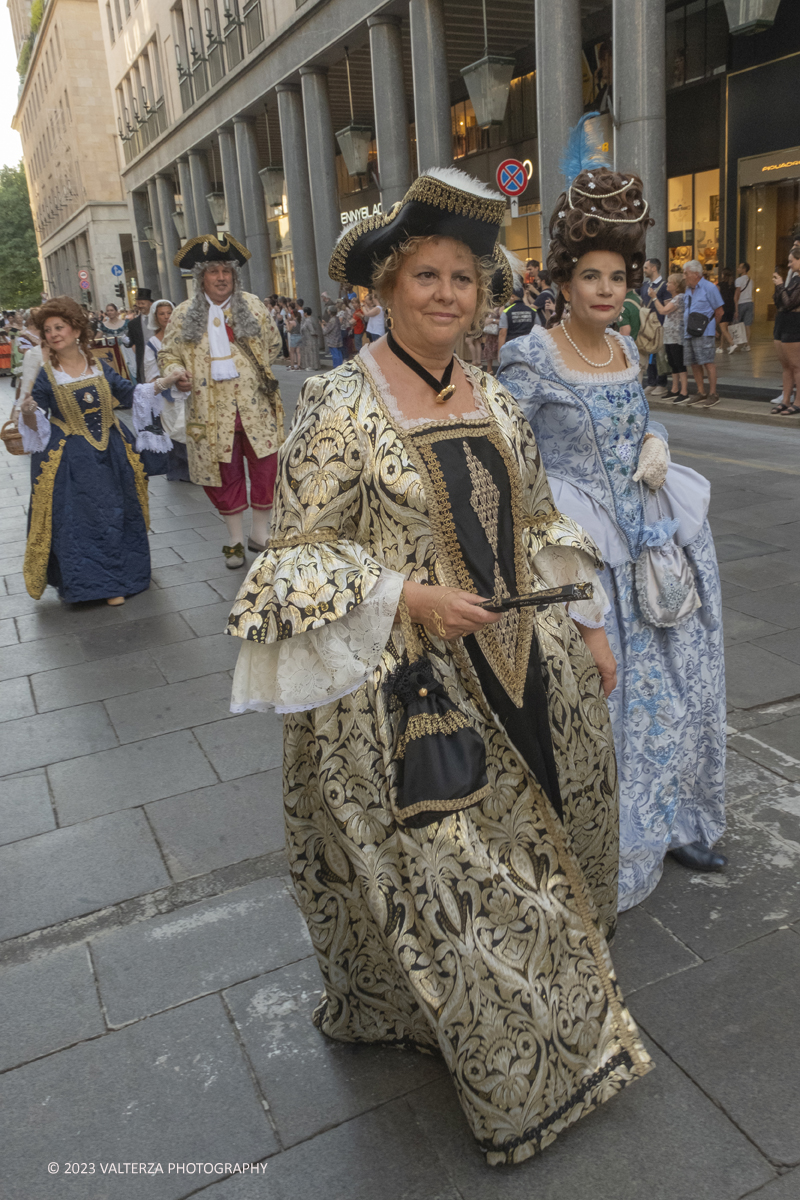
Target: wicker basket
{"points": [[12, 438]]}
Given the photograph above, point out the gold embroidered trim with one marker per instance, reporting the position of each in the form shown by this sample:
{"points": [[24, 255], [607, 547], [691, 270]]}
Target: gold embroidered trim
{"points": [[426, 190], [314, 538], [424, 724], [445, 806], [40, 534], [73, 418], [213, 240], [141, 482]]}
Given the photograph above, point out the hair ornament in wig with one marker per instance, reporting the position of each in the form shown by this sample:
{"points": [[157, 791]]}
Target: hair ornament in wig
{"points": [[600, 209]]}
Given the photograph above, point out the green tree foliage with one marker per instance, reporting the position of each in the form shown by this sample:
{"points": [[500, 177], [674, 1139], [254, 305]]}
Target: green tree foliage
{"points": [[37, 12], [20, 276], [25, 57]]}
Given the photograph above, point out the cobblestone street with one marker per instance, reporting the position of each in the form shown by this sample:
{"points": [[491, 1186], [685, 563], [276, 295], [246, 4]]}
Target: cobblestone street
{"points": [[157, 979]]}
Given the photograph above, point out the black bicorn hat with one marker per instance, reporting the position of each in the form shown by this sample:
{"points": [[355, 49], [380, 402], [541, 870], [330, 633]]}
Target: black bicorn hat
{"points": [[211, 247], [444, 202]]}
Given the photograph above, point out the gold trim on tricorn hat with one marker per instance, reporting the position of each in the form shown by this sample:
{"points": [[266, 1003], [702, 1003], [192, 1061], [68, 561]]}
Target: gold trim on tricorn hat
{"points": [[210, 247], [444, 202]]}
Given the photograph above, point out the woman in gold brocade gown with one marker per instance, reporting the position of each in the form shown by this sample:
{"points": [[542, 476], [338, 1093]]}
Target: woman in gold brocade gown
{"points": [[408, 473]]}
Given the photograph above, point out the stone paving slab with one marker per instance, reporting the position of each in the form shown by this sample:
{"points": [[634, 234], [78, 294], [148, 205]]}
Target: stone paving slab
{"points": [[173, 706], [52, 619], [739, 627], [250, 743], [77, 870], [214, 826], [173, 1089], [147, 633], [15, 700], [643, 951], [169, 523], [311, 1082], [127, 776], [202, 948], [660, 1138], [785, 1188], [732, 547], [765, 571], [383, 1155], [162, 600], [191, 572], [740, 1045], [27, 658], [754, 676], [25, 807], [8, 632], [211, 619], [46, 1004], [202, 656], [785, 643], [759, 890], [228, 585], [48, 738], [98, 680]]}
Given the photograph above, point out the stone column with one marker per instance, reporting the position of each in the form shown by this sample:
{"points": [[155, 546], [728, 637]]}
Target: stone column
{"points": [[233, 197], [189, 217], [431, 84], [170, 242], [559, 95], [321, 145], [298, 194], [161, 281], [201, 186], [253, 207], [391, 117], [143, 253], [640, 107]]}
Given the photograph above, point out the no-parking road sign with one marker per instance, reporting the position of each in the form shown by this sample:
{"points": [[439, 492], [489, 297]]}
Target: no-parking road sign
{"points": [[512, 178]]}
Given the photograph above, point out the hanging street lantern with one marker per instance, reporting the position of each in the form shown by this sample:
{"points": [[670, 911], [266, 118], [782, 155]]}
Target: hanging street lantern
{"points": [[354, 140], [750, 16], [180, 222], [488, 82], [218, 206], [273, 183], [150, 237]]}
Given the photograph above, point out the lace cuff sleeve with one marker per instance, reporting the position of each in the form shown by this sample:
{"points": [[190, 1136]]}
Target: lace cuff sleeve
{"points": [[558, 565], [319, 665], [146, 406], [34, 441]]}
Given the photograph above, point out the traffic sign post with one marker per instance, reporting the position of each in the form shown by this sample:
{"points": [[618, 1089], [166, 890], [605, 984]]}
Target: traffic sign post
{"points": [[512, 178], [85, 284], [83, 274]]}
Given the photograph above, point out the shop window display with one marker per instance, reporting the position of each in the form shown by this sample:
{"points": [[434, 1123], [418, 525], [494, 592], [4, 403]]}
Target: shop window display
{"points": [[770, 221], [693, 220]]}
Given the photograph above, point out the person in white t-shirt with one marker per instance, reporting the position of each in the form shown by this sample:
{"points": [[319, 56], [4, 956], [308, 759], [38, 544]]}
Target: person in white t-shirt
{"points": [[744, 308]]}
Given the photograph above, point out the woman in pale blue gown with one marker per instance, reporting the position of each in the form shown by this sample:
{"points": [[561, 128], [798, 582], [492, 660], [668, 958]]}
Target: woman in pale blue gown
{"points": [[609, 469]]}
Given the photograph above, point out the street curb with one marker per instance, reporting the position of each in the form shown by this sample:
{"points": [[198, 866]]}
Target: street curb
{"points": [[721, 413]]}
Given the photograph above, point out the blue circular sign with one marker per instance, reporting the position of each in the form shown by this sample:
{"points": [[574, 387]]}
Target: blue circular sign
{"points": [[512, 178], [116, 270]]}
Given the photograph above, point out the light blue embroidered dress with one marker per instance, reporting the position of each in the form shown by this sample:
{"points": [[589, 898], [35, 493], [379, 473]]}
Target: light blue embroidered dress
{"points": [[668, 709]]}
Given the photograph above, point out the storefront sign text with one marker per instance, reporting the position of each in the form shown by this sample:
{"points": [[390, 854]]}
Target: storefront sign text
{"points": [[361, 214]]}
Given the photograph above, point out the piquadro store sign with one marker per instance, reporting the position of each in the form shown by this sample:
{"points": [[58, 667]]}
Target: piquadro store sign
{"points": [[770, 168]]}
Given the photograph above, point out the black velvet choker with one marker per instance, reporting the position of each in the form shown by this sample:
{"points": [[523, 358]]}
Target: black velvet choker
{"points": [[443, 387]]}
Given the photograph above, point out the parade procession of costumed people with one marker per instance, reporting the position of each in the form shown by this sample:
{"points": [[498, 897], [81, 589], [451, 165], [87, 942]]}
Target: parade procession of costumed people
{"points": [[458, 898]]}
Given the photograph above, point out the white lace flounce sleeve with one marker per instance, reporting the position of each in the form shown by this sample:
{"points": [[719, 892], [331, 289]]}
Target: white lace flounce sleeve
{"points": [[320, 665], [34, 441], [558, 565], [146, 407]]}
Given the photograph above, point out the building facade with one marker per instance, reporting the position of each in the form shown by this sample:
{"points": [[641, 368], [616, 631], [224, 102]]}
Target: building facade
{"points": [[65, 118], [242, 115]]}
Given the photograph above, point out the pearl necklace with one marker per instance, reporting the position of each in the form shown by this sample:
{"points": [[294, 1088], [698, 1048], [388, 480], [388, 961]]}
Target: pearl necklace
{"points": [[607, 340]]}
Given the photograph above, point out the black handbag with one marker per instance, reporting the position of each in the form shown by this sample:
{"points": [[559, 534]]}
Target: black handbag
{"points": [[441, 757], [696, 323]]}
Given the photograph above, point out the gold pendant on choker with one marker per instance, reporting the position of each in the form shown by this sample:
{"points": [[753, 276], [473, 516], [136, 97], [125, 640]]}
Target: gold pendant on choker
{"points": [[445, 394]]}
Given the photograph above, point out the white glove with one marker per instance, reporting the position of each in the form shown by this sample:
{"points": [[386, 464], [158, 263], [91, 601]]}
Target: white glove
{"points": [[653, 463]]}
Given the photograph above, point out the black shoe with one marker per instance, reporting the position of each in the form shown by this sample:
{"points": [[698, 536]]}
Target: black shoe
{"points": [[698, 857], [255, 547]]}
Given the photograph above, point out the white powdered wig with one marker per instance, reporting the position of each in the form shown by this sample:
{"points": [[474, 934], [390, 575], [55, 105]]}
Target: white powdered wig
{"points": [[465, 183]]}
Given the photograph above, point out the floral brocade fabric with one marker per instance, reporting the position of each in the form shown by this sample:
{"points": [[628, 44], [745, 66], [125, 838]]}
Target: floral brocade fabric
{"points": [[482, 936]]}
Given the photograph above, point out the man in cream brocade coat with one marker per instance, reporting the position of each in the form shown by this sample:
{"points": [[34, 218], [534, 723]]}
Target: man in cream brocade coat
{"points": [[227, 343]]}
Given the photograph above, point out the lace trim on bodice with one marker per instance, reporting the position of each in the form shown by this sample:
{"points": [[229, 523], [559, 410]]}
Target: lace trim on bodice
{"points": [[591, 377], [479, 413], [63, 378]]}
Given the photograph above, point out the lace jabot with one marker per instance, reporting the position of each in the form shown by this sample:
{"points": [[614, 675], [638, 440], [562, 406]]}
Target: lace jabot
{"points": [[90, 373], [479, 413], [591, 377]]}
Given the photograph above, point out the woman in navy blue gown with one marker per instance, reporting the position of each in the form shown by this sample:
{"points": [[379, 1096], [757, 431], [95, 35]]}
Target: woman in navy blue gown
{"points": [[88, 517]]}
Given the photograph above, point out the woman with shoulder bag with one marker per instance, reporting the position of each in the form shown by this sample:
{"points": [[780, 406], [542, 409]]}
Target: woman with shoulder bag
{"points": [[451, 836], [610, 470], [787, 331]]}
